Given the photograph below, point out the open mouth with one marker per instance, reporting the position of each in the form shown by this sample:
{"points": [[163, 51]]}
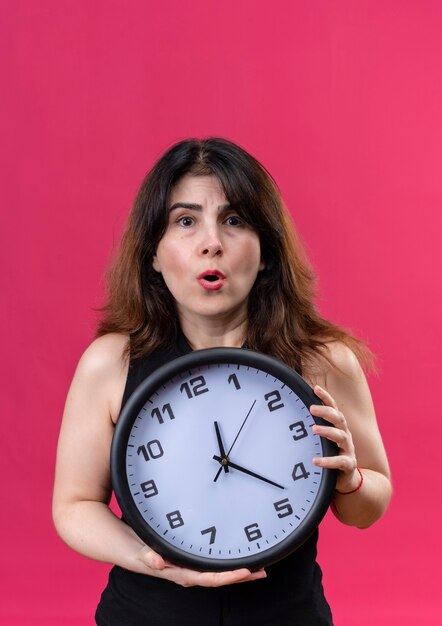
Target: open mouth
{"points": [[212, 278]]}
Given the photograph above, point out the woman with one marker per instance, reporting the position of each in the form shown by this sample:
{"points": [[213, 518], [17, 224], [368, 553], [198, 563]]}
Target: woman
{"points": [[209, 207]]}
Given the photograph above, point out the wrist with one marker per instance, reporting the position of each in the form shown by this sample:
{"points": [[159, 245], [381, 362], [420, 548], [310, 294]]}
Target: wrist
{"points": [[354, 485]]}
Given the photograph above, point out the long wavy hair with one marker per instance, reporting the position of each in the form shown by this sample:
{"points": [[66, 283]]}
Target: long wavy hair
{"points": [[282, 317]]}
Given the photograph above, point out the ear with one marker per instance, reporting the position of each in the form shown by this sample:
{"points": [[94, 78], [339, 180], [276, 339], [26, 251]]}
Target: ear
{"points": [[156, 264], [262, 265]]}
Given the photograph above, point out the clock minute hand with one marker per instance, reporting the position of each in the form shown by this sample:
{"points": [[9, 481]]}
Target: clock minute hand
{"points": [[234, 441], [221, 447], [242, 426], [225, 461]]}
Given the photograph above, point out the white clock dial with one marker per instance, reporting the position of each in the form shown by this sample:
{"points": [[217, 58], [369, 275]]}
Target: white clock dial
{"points": [[218, 461]]}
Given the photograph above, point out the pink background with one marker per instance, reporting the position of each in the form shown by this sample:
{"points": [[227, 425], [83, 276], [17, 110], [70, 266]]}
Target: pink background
{"points": [[342, 102]]}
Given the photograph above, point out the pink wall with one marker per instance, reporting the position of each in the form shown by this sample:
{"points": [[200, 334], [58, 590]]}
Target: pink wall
{"points": [[342, 101]]}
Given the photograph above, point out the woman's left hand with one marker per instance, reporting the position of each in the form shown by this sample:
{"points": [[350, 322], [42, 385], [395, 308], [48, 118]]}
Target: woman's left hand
{"points": [[339, 432]]}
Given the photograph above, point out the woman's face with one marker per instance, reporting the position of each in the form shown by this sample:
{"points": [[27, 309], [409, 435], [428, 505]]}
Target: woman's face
{"points": [[209, 257]]}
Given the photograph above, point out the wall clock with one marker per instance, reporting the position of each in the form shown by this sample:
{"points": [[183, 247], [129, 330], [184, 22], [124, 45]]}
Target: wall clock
{"points": [[211, 460]]}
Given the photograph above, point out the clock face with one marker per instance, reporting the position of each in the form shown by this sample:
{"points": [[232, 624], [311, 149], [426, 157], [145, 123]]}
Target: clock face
{"points": [[212, 460]]}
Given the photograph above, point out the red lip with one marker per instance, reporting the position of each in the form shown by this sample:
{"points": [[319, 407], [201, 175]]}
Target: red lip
{"points": [[212, 280], [211, 273]]}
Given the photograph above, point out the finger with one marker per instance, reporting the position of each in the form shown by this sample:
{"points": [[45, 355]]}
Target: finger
{"points": [[340, 437], [325, 396], [254, 576], [190, 578], [329, 414], [218, 579], [223, 578], [343, 462], [153, 560]]}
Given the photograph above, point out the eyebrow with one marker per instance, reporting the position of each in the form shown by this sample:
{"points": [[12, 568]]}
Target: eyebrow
{"points": [[196, 207]]}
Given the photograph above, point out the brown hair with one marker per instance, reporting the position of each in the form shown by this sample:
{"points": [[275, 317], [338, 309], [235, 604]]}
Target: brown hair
{"points": [[282, 318]]}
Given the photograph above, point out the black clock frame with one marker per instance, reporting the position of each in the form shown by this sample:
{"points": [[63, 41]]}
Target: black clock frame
{"points": [[132, 408]]}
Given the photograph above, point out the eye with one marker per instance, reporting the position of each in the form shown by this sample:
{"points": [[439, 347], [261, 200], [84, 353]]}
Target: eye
{"points": [[234, 220], [185, 220]]}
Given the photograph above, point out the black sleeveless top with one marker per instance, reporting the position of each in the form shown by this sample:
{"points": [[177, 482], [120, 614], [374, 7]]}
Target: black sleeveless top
{"points": [[292, 593]]}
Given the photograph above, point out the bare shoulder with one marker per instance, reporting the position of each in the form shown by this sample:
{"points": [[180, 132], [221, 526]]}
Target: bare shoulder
{"points": [[338, 370], [335, 362], [341, 361], [105, 355], [102, 371]]}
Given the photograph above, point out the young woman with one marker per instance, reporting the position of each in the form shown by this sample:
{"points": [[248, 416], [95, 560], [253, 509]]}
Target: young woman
{"points": [[209, 208]]}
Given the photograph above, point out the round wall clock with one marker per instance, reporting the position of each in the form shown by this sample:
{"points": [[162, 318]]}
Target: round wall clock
{"points": [[211, 460]]}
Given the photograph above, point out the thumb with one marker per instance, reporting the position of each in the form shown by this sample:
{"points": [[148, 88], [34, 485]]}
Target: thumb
{"points": [[152, 559]]}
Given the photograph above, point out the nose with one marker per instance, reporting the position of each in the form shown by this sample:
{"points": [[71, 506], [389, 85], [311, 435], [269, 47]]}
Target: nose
{"points": [[213, 249], [211, 245]]}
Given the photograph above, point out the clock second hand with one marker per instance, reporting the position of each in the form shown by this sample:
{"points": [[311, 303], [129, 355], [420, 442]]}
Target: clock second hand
{"points": [[226, 461], [234, 441]]}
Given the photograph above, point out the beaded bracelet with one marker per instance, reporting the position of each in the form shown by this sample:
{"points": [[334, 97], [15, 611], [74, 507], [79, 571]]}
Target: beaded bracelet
{"points": [[347, 493]]}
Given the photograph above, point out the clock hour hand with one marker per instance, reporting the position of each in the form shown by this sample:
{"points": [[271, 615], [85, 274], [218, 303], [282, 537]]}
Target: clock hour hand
{"points": [[221, 447], [225, 461], [234, 441]]}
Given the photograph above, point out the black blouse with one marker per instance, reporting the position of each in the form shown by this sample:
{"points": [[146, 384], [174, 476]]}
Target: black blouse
{"points": [[292, 593]]}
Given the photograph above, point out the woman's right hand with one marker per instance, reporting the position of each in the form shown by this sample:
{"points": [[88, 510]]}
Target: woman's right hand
{"points": [[157, 566]]}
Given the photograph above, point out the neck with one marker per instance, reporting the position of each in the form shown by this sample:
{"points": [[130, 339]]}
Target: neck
{"points": [[214, 333]]}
